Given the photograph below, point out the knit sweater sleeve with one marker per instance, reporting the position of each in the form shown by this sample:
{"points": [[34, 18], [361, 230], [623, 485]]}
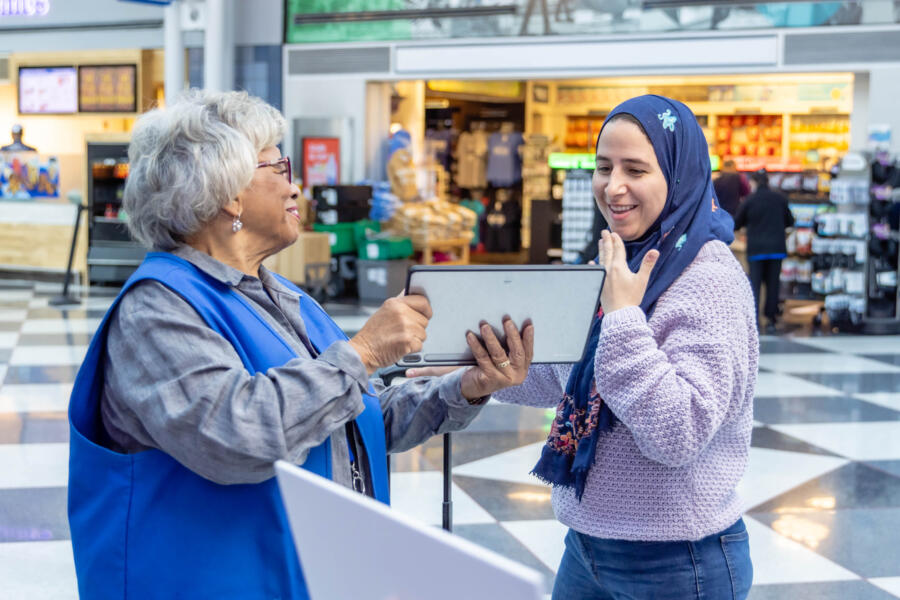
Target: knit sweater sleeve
{"points": [[674, 381], [542, 387]]}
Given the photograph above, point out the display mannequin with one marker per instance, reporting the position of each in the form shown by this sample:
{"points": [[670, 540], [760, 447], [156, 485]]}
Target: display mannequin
{"points": [[17, 144], [400, 169]]}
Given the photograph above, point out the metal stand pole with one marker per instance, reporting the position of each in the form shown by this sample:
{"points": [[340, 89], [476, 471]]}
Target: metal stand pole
{"points": [[65, 298], [448, 483]]}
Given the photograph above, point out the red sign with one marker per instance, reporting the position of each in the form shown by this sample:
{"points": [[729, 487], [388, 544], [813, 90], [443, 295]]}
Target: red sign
{"points": [[321, 161]]}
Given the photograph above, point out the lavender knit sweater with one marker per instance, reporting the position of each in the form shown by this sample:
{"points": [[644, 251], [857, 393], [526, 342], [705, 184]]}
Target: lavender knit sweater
{"points": [[682, 387]]}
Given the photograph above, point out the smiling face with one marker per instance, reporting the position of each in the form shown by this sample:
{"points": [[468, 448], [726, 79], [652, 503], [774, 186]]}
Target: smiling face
{"points": [[629, 187], [269, 206]]}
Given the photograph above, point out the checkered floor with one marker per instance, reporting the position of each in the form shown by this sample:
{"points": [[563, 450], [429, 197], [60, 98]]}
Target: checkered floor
{"points": [[822, 489]]}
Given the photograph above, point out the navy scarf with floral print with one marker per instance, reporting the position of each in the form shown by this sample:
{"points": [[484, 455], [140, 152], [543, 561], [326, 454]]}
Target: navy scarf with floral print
{"points": [[690, 218]]}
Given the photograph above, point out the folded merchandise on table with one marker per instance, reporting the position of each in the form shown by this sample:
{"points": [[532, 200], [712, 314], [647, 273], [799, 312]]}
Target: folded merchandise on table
{"points": [[433, 221]]}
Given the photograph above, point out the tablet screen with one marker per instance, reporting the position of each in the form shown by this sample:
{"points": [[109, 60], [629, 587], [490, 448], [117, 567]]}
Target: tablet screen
{"points": [[560, 300]]}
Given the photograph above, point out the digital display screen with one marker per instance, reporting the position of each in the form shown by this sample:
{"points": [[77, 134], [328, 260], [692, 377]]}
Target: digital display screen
{"points": [[48, 90], [107, 88]]}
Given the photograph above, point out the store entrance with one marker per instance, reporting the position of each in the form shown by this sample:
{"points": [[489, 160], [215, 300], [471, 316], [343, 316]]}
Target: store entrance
{"points": [[478, 142]]}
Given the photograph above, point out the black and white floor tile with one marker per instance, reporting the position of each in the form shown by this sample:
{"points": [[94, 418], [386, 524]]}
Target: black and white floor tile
{"points": [[822, 488]]}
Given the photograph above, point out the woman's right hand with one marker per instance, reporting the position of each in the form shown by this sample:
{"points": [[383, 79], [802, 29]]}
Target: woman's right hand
{"points": [[395, 330]]}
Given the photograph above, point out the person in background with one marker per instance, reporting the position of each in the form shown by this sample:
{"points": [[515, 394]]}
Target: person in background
{"points": [[208, 368], [766, 215], [653, 424], [731, 187]]}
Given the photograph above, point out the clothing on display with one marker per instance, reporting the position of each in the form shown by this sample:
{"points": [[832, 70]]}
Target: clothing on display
{"points": [[439, 143], [502, 225], [504, 165], [472, 148]]}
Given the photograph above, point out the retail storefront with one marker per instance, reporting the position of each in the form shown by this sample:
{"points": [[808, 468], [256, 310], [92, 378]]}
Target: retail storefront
{"points": [[752, 109], [793, 100]]}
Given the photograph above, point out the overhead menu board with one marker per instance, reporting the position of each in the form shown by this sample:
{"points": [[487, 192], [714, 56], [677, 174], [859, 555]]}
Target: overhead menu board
{"points": [[47, 90], [107, 88]]}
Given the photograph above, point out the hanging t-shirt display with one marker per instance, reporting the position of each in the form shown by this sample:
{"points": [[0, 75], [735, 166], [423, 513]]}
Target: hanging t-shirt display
{"points": [[502, 227], [471, 149], [438, 142], [504, 166]]}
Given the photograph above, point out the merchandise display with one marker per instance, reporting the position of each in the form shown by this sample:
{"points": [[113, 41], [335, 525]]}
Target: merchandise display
{"points": [[502, 223], [577, 213], [750, 135], [400, 168], [112, 254], [819, 136], [432, 221], [581, 132], [856, 248], [504, 165], [535, 177], [472, 150]]}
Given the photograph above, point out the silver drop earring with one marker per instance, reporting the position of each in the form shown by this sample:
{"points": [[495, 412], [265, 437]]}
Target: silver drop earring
{"points": [[236, 224]]}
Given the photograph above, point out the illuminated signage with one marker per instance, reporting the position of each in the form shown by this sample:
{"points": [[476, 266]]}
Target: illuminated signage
{"points": [[24, 8]]}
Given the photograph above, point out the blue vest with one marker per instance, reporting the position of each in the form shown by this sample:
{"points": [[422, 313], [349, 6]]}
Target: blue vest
{"points": [[144, 526]]}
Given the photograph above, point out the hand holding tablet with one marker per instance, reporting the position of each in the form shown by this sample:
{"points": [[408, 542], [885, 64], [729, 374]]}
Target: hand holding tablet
{"points": [[558, 300]]}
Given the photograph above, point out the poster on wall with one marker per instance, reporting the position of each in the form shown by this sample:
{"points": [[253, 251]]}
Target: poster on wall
{"points": [[25, 176], [321, 161]]}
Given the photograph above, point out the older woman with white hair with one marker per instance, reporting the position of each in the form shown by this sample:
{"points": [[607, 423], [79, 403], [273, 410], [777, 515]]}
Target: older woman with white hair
{"points": [[208, 368]]}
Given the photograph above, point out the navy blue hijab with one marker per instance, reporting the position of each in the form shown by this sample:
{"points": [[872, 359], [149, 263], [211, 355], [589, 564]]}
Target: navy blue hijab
{"points": [[690, 218]]}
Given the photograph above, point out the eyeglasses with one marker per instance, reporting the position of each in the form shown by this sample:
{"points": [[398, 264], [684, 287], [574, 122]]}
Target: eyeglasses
{"points": [[282, 166]]}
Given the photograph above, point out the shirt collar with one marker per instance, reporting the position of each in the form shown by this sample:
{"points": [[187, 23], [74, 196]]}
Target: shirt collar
{"points": [[209, 265]]}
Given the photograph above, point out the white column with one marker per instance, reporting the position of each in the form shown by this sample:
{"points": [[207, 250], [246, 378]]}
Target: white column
{"points": [[218, 46], [859, 117], [884, 89], [173, 49]]}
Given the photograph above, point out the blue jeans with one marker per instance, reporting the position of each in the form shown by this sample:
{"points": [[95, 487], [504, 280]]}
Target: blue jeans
{"points": [[715, 568]]}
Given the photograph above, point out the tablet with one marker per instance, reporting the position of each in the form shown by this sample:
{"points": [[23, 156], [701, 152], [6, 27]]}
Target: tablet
{"points": [[560, 300]]}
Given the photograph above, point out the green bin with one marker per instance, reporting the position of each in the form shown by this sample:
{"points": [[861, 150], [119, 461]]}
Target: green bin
{"points": [[385, 248], [341, 236]]}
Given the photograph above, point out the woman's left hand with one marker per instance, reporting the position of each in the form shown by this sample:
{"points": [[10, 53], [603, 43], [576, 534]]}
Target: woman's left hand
{"points": [[622, 287], [495, 369]]}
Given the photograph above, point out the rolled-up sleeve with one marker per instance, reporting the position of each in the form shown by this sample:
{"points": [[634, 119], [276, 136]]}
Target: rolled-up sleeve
{"points": [[174, 384]]}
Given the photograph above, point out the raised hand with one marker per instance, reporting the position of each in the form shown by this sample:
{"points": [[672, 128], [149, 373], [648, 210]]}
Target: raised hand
{"points": [[622, 286]]}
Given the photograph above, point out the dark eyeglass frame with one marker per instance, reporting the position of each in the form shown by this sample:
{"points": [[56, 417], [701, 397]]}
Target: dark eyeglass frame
{"points": [[286, 161]]}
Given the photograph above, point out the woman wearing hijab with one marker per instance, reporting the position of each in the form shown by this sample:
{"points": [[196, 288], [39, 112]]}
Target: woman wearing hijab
{"points": [[653, 429]]}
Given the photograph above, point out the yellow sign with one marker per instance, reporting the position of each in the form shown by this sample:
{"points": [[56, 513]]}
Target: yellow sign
{"points": [[500, 89]]}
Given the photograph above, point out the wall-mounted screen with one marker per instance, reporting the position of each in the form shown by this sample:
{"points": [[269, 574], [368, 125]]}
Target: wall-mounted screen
{"points": [[107, 88], [48, 90]]}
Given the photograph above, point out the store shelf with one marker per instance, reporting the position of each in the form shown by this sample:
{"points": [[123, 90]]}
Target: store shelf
{"points": [[112, 255]]}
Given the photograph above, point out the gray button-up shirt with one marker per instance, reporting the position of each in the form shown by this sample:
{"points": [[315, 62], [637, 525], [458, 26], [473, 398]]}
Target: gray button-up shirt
{"points": [[174, 384]]}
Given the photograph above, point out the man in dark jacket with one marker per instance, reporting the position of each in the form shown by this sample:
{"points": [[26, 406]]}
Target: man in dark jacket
{"points": [[766, 215], [731, 187]]}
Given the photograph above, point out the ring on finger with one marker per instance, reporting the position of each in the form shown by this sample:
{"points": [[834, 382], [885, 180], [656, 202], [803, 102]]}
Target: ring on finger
{"points": [[503, 365]]}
